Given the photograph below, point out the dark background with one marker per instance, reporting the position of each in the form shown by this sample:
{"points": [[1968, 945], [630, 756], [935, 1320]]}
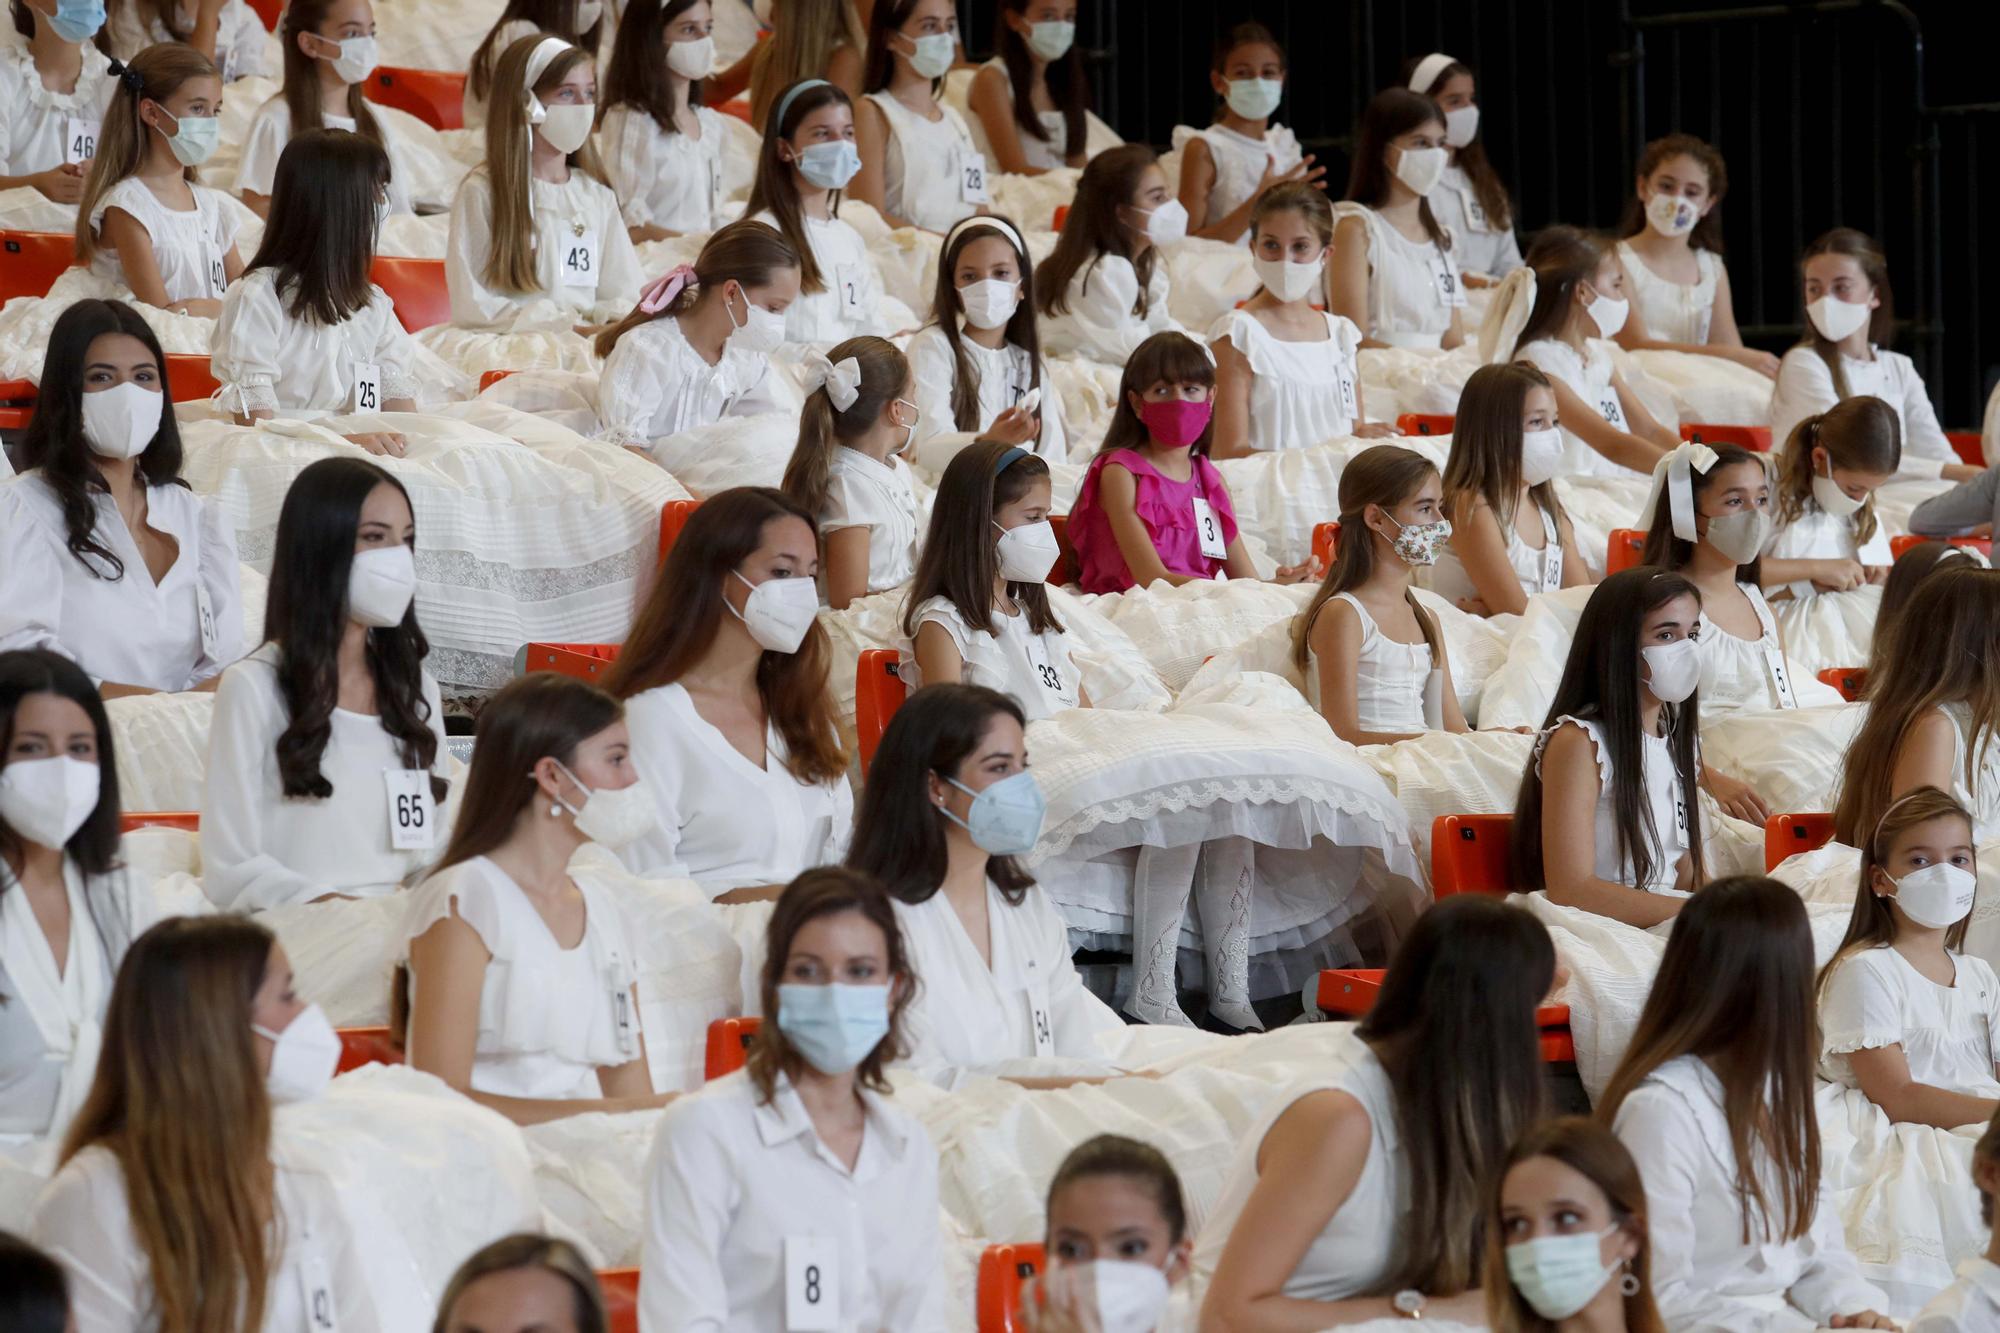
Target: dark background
{"points": [[1828, 114]]}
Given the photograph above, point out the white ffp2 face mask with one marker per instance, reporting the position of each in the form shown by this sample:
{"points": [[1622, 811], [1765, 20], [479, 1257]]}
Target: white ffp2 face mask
{"points": [[303, 1056], [779, 612], [1938, 895], [1131, 1297], [47, 800], [1421, 168], [1541, 455], [761, 332], [121, 421], [1289, 281], [991, 303], [1674, 669], [1609, 313], [1835, 318], [1166, 224], [1028, 552], [381, 584], [1828, 495], [612, 817]]}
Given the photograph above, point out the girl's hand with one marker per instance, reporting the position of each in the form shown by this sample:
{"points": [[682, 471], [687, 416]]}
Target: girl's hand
{"points": [[1737, 800], [1058, 1301], [1838, 575], [1762, 362], [1304, 171], [1014, 426], [1473, 606], [1878, 574], [380, 442], [1375, 430], [201, 309], [1312, 571], [63, 184], [1862, 1319]]}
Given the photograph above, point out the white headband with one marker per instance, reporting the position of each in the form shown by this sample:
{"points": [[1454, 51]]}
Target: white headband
{"points": [[1427, 70], [841, 379], [1675, 473], [544, 56], [997, 224]]}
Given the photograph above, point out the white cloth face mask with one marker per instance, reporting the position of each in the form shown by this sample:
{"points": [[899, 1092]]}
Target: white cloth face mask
{"points": [[1461, 125], [1671, 215], [692, 60], [566, 125], [121, 421], [1608, 313], [1828, 495], [991, 303]]}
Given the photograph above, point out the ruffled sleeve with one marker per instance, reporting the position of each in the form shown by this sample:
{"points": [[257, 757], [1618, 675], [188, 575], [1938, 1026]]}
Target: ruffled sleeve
{"points": [[631, 386], [466, 891], [222, 579], [1857, 1008], [225, 223], [247, 337], [31, 573], [1597, 751], [269, 131], [395, 351]]}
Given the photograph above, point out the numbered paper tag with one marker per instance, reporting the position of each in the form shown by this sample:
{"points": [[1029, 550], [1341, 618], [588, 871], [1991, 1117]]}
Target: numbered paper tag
{"points": [[812, 1284], [579, 261], [1350, 400], [972, 178], [847, 289], [79, 139], [316, 1289], [367, 388], [714, 183], [1040, 1026], [621, 1014], [204, 612], [1475, 212], [412, 820], [218, 277], [1681, 815], [1781, 676], [1049, 679], [1446, 278], [1552, 567], [1208, 530], [1613, 410]]}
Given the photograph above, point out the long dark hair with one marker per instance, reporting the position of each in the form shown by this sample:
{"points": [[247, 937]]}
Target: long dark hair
{"points": [[945, 310], [1600, 682], [1468, 978], [34, 1292], [301, 89], [1668, 551], [680, 620], [960, 561], [1068, 88], [1707, 233], [1165, 358], [306, 616], [26, 671], [1485, 461], [555, 18], [1874, 266], [885, 20], [899, 836], [1093, 228], [320, 238], [1471, 158], [1916, 564], [772, 189], [1389, 114], [1735, 988], [637, 75], [55, 444]]}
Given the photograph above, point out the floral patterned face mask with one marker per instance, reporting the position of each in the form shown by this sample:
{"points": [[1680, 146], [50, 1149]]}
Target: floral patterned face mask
{"points": [[1419, 543]]}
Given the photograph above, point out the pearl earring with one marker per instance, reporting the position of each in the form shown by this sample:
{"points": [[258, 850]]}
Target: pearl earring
{"points": [[555, 810]]}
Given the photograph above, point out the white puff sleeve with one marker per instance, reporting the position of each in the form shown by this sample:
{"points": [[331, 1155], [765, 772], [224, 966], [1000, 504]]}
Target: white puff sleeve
{"points": [[240, 870], [1104, 323], [221, 578], [630, 389], [244, 359], [31, 575], [1857, 1012], [1926, 451], [935, 372], [270, 130], [468, 247], [1804, 388]]}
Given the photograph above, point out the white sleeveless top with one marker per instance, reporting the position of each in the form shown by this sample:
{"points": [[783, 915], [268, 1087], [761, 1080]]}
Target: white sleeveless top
{"points": [[1044, 154], [1664, 805], [1240, 162], [1413, 287], [1588, 376], [1738, 674], [549, 1017], [1539, 570], [923, 172], [1362, 1242], [189, 247], [1983, 797], [1673, 312], [1035, 668], [1396, 686], [1301, 393]]}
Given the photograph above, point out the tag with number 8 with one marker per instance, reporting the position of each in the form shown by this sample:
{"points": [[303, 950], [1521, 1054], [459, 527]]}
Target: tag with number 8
{"points": [[412, 819], [812, 1284]]}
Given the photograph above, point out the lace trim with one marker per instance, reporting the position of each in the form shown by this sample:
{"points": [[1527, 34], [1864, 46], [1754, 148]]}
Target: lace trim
{"points": [[1392, 823], [1859, 1039]]}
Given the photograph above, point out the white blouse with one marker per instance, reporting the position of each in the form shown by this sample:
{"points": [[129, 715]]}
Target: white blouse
{"points": [[550, 1017], [1036, 669], [970, 1019], [1397, 688], [1738, 674], [1413, 286], [1969, 1305], [1301, 393], [1540, 569], [1477, 245], [269, 359], [1704, 1275], [1805, 387], [741, 1192], [1050, 154], [862, 493], [1100, 322], [170, 635], [1818, 535], [242, 43], [271, 131], [850, 305], [1005, 375], [262, 849], [40, 129], [1361, 1243], [1667, 837], [665, 179], [191, 247], [585, 268], [1674, 312], [655, 385], [84, 1220], [723, 821], [1240, 164], [1950, 1035], [1587, 375], [929, 166]]}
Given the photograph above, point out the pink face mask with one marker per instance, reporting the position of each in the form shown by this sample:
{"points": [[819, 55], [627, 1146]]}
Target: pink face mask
{"points": [[1176, 423]]}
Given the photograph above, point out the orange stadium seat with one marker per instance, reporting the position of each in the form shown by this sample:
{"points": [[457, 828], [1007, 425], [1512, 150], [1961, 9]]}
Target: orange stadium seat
{"points": [[1350, 993], [878, 693], [1788, 835], [581, 661], [1757, 439], [1469, 854], [620, 1287], [728, 1045], [31, 261], [1326, 541], [1622, 551], [367, 1046], [1898, 545], [674, 516], [1003, 1271], [434, 96], [1063, 572], [187, 821], [1425, 423], [1850, 681], [1970, 446], [417, 289]]}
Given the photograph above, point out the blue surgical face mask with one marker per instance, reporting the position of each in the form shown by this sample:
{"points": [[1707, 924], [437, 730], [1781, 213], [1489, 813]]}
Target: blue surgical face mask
{"points": [[194, 138], [1254, 99], [833, 1026], [76, 20], [830, 165], [1559, 1275], [1006, 818]]}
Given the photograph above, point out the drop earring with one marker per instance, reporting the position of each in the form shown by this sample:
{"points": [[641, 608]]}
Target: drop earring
{"points": [[1629, 1284]]}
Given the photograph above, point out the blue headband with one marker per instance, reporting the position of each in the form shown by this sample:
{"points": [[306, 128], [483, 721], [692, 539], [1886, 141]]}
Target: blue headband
{"points": [[785, 103], [1008, 459]]}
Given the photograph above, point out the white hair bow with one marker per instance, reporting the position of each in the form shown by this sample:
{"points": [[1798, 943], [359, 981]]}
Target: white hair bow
{"points": [[841, 379], [1675, 474]]}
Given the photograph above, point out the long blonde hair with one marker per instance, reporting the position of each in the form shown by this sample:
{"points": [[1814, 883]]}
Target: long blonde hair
{"points": [[885, 373], [1384, 475], [511, 265], [179, 1102], [804, 36], [155, 74], [1863, 433]]}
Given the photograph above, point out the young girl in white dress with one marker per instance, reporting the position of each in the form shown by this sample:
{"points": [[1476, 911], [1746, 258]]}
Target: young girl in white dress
{"points": [[1672, 255], [1606, 819], [697, 347], [1030, 103], [1362, 1189], [1715, 1101], [1104, 288], [519, 979], [949, 807], [978, 364], [1849, 311], [1908, 1017], [228, 33], [1285, 373], [978, 609], [1471, 200], [536, 235], [142, 221], [304, 331], [807, 159], [724, 678], [326, 757], [1510, 537], [662, 147], [330, 50], [54, 85], [1374, 659], [1226, 167], [918, 165], [1828, 536], [847, 468], [1560, 312], [1116, 1239], [1392, 273], [578, 22], [106, 555]]}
